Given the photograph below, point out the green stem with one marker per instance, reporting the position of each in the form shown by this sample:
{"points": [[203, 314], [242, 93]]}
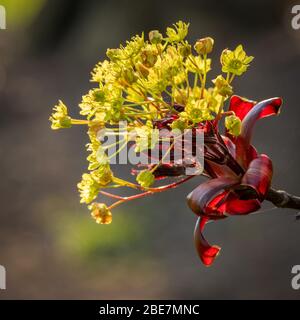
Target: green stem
{"points": [[204, 75]]}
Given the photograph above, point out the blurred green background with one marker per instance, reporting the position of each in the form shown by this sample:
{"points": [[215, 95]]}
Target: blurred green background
{"points": [[49, 245]]}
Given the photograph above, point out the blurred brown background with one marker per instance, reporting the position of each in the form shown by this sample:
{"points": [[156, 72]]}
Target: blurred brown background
{"points": [[49, 245]]}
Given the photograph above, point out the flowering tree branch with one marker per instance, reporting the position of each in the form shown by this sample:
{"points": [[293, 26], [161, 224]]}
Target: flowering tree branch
{"points": [[161, 84]]}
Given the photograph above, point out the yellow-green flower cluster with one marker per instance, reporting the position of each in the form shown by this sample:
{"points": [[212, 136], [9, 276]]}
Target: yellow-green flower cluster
{"points": [[92, 182], [143, 81], [100, 173]]}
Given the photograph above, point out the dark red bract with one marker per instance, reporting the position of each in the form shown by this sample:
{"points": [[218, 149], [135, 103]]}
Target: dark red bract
{"points": [[239, 184], [239, 177]]}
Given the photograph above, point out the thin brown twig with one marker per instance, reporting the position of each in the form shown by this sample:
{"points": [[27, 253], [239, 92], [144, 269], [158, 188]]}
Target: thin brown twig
{"points": [[283, 199]]}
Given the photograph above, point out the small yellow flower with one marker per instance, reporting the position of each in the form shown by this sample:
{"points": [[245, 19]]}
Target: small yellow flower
{"points": [[100, 213], [146, 138], [88, 188], [214, 99], [103, 175], [180, 96], [198, 65], [184, 49], [91, 183], [196, 111], [235, 62], [178, 32], [60, 118], [222, 86]]}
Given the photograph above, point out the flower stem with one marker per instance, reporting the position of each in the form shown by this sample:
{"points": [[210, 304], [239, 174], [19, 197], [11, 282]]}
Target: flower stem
{"points": [[204, 76], [149, 192], [79, 121]]}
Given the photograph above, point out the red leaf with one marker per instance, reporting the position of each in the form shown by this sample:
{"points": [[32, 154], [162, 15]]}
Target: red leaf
{"points": [[259, 175], [244, 151], [230, 145], [200, 200], [261, 110], [206, 252], [240, 106], [220, 170], [235, 206]]}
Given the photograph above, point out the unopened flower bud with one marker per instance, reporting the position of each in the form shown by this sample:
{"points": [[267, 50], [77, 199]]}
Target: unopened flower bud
{"points": [[129, 76], [178, 125], [142, 70], [223, 87], [155, 37], [145, 178], [185, 50], [149, 57], [233, 125], [100, 213], [204, 45]]}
